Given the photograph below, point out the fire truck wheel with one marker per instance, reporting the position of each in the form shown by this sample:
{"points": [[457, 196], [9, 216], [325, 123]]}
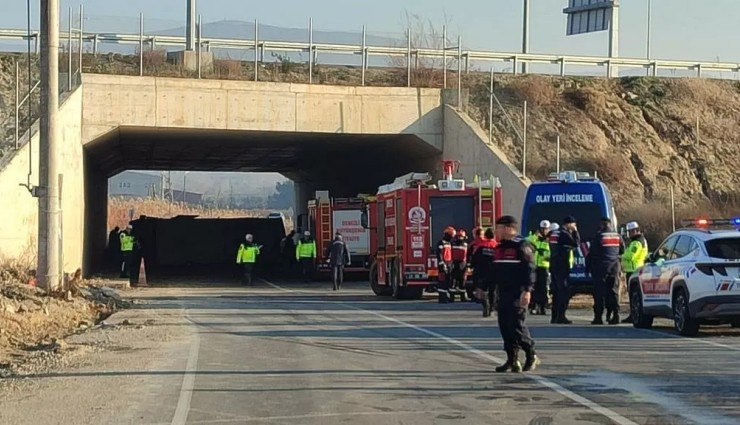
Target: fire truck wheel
{"points": [[377, 288], [416, 292]]}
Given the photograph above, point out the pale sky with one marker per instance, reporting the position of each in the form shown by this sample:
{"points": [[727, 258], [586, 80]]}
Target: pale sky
{"points": [[682, 29]]}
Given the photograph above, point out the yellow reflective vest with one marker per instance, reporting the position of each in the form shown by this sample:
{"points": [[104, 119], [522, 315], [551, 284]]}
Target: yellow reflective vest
{"points": [[542, 250], [127, 242], [305, 249], [247, 253], [635, 255]]}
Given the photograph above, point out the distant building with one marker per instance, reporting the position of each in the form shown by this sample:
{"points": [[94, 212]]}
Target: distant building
{"points": [[133, 184], [190, 197]]}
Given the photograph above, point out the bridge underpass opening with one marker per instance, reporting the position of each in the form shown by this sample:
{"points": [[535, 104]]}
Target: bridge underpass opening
{"points": [[344, 164]]}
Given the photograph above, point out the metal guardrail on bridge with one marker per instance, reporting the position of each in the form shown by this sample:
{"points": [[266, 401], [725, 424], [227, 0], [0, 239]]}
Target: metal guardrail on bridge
{"points": [[410, 53]]}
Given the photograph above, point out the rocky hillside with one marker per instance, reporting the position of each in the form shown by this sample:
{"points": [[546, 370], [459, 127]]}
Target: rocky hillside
{"points": [[642, 135]]}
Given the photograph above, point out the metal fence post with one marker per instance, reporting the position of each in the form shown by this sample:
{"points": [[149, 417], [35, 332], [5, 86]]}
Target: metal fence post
{"points": [[459, 72], [310, 50], [95, 45], [17, 103], [673, 209], [69, 50], [557, 155], [141, 44], [82, 40], [256, 48], [444, 56], [524, 142], [200, 47], [364, 54], [490, 109], [408, 57]]}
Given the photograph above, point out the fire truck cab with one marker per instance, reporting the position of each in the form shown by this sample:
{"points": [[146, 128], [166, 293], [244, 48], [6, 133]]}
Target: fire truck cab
{"points": [[406, 219], [328, 216]]}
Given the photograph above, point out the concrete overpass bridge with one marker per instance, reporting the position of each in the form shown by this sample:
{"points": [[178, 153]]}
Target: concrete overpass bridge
{"points": [[342, 139]]}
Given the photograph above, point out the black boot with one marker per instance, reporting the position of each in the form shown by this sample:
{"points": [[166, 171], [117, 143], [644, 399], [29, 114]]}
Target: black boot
{"points": [[512, 364], [486, 308], [597, 321], [627, 319], [531, 363], [563, 320], [554, 316], [615, 319]]}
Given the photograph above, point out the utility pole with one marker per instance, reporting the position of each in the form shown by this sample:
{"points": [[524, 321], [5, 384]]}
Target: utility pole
{"points": [[49, 237], [525, 36], [190, 27]]}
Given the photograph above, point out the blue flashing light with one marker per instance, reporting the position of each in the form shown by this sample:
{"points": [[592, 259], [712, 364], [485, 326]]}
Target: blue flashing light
{"points": [[736, 221]]}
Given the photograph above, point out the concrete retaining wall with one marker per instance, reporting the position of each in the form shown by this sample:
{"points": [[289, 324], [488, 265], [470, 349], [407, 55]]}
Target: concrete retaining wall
{"points": [[19, 210], [466, 142], [111, 101]]}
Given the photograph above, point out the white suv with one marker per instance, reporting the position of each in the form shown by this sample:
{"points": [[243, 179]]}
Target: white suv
{"points": [[693, 277]]}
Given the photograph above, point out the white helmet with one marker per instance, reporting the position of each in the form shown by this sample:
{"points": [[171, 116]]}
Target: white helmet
{"points": [[544, 224], [248, 237], [632, 225], [554, 227]]}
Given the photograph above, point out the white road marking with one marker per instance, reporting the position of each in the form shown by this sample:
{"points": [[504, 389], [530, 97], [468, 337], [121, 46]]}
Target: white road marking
{"points": [[604, 411], [188, 384]]}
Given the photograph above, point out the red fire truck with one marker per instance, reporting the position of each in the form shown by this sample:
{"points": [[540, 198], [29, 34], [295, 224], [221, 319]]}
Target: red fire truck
{"points": [[407, 218], [326, 217]]}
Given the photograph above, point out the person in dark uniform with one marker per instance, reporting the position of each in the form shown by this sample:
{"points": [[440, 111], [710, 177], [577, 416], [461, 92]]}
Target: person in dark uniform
{"points": [[474, 244], [459, 265], [602, 262], [444, 266], [563, 242], [338, 258], [514, 273], [483, 262]]}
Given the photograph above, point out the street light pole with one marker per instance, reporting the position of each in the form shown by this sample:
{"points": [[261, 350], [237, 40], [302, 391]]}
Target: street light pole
{"points": [[49, 237], [190, 27], [525, 36], [649, 25]]}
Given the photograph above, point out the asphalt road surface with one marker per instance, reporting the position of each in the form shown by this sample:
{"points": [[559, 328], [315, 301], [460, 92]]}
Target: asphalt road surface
{"points": [[283, 353]]}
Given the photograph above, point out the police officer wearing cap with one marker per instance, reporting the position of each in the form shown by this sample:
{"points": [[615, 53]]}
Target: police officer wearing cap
{"points": [[634, 256], [513, 272], [602, 262], [563, 242]]}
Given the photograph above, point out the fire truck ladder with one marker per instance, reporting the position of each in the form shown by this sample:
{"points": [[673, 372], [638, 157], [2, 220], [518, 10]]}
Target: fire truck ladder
{"points": [[326, 236], [486, 202]]}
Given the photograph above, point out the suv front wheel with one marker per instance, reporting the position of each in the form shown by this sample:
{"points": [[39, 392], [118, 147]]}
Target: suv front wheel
{"points": [[640, 320], [683, 322]]}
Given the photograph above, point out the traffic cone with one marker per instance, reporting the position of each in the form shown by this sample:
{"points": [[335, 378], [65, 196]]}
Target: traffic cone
{"points": [[142, 273]]}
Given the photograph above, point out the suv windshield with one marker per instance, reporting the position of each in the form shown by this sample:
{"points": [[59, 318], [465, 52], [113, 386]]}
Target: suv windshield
{"points": [[724, 248]]}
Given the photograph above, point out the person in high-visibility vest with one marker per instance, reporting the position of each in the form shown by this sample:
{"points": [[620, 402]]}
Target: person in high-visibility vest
{"points": [[540, 242], [247, 256], [127, 251], [305, 253], [634, 256]]}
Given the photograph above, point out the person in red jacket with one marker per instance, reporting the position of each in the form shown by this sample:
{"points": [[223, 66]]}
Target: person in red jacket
{"points": [[474, 244], [444, 265], [459, 264]]}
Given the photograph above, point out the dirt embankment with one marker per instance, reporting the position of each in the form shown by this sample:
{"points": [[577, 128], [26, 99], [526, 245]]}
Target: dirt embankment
{"points": [[32, 321], [642, 135]]}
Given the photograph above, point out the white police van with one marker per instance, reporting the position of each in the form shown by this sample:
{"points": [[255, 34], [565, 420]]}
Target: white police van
{"points": [[693, 278]]}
